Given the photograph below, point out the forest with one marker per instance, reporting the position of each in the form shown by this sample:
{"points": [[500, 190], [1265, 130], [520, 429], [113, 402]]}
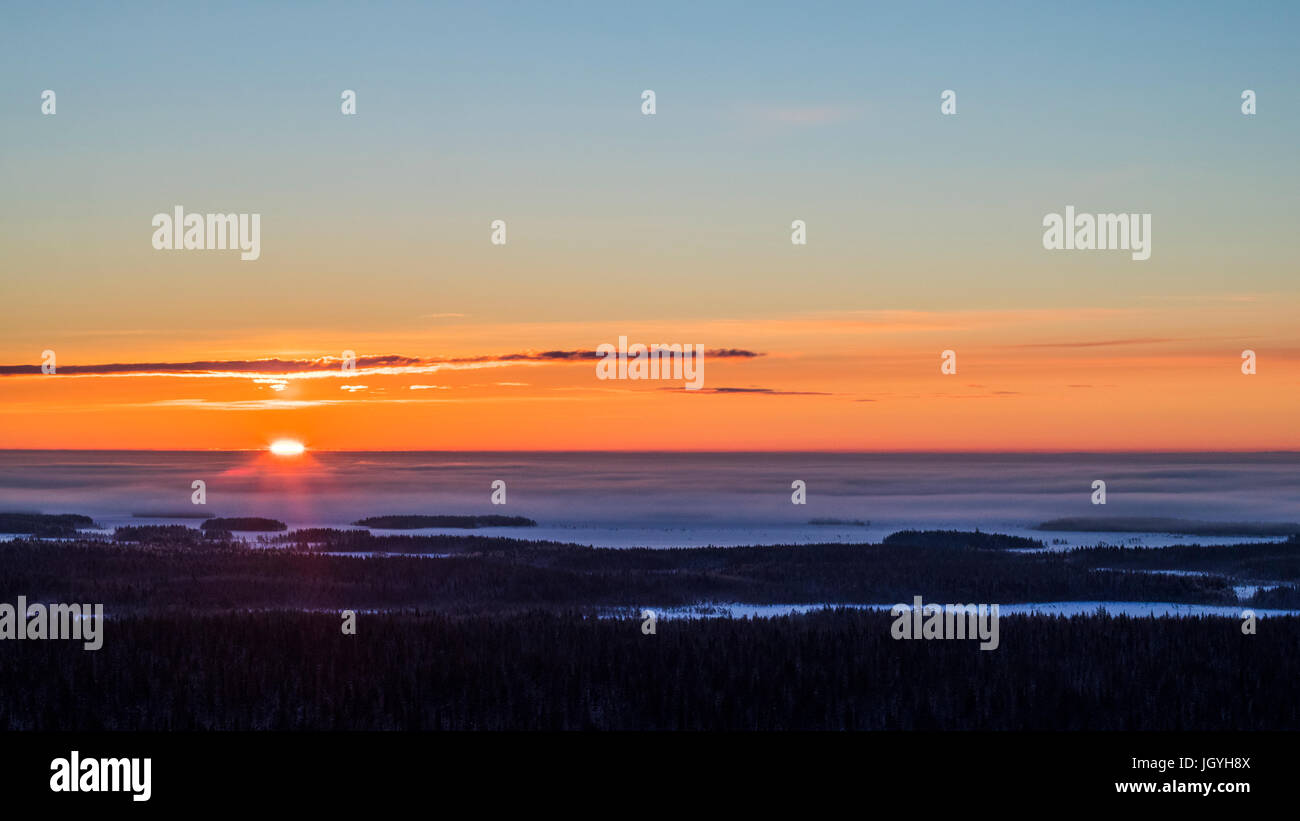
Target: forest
{"points": [[208, 631], [244, 523], [830, 670], [411, 522], [44, 524], [1150, 524], [962, 539], [174, 568]]}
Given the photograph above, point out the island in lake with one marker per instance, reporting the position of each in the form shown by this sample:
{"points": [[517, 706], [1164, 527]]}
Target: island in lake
{"points": [[415, 522]]}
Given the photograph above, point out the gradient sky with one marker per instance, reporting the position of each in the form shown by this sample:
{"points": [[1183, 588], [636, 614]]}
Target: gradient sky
{"points": [[924, 230]]}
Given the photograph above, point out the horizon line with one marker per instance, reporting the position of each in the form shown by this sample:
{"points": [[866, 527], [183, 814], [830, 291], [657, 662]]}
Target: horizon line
{"points": [[919, 452]]}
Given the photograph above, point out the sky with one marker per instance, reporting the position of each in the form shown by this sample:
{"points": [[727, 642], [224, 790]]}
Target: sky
{"points": [[924, 231]]}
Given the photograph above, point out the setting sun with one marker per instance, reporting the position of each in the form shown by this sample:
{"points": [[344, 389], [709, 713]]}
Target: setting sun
{"points": [[287, 447]]}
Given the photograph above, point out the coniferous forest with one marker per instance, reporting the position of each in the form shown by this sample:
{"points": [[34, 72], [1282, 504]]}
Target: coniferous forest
{"points": [[206, 631], [557, 671]]}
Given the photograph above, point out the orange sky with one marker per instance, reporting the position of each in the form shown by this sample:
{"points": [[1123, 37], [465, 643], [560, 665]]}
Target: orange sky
{"points": [[924, 227], [1162, 375]]}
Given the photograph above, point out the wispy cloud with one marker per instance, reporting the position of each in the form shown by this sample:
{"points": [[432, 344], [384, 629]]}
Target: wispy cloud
{"points": [[274, 370], [758, 391], [1102, 343]]}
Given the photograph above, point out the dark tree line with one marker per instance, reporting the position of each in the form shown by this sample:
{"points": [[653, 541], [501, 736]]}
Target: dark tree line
{"points": [[243, 523], [418, 521], [47, 525], [1263, 561], [181, 571], [961, 538], [557, 671]]}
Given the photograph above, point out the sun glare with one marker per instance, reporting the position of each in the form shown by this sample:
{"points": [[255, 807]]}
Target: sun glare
{"points": [[287, 447]]}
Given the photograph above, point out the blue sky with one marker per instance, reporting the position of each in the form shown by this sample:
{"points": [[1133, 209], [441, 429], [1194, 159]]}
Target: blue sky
{"points": [[530, 112]]}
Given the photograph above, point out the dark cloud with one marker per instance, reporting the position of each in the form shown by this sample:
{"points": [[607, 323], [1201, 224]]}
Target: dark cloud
{"points": [[272, 367], [760, 391]]}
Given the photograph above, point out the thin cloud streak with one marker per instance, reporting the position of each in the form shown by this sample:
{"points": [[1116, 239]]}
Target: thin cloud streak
{"points": [[331, 366]]}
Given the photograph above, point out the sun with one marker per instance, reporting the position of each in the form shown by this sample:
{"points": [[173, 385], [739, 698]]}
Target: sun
{"points": [[287, 447]]}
